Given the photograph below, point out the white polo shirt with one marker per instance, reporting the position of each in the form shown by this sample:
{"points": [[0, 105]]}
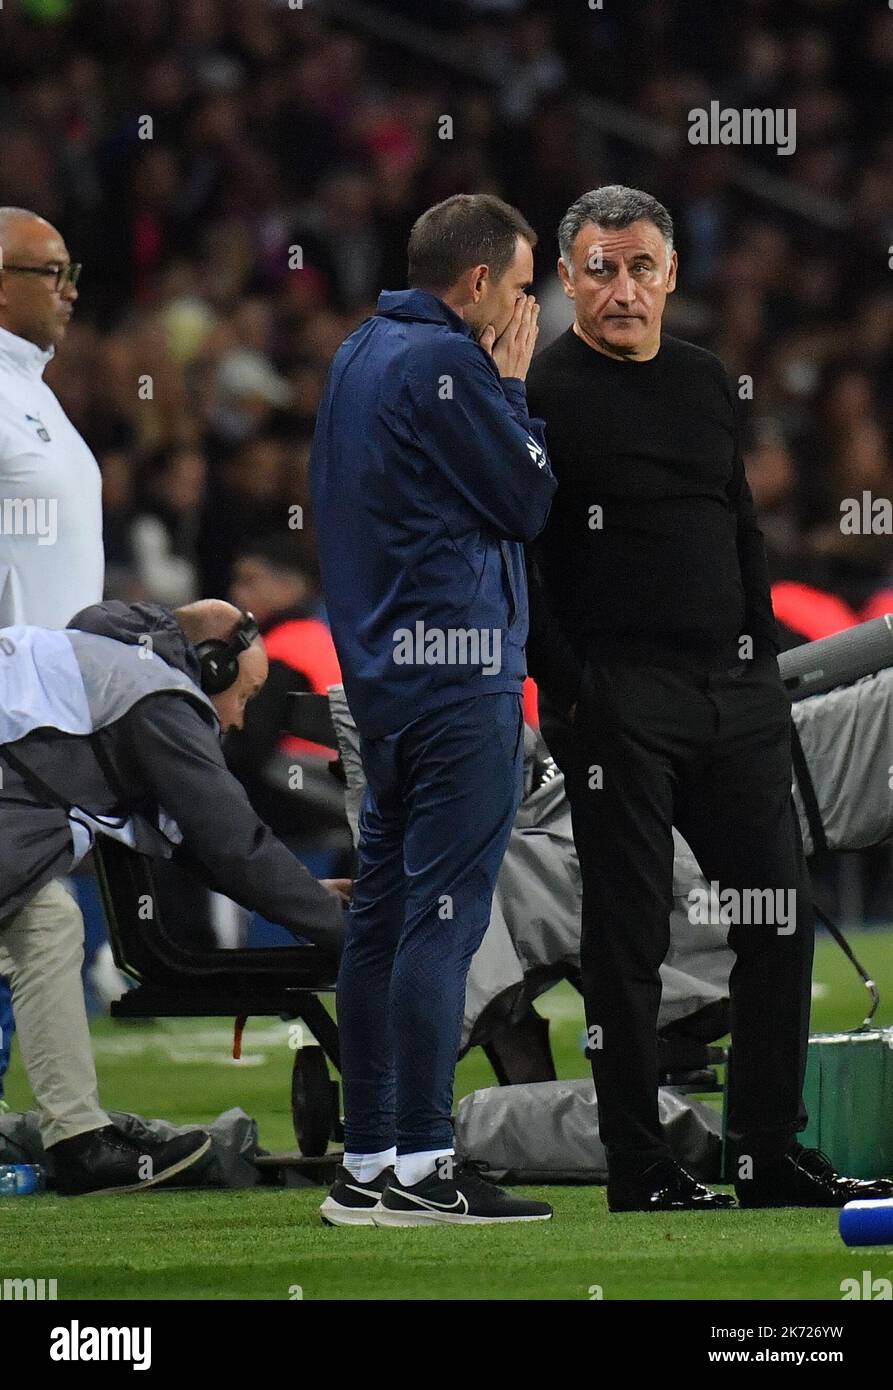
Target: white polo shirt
{"points": [[51, 555]]}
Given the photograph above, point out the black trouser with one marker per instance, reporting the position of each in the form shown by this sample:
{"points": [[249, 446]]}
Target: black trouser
{"points": [[650, 748]]}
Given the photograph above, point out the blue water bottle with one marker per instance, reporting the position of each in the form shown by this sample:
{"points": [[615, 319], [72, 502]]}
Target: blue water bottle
{"points": [[21, 1179], [867, 1223]]}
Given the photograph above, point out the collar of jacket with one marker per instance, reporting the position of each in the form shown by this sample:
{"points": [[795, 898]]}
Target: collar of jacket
{"points": [[420, 305], [20, 355]]}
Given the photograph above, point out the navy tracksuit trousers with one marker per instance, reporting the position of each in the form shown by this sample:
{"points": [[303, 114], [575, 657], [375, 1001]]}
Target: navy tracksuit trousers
{"points": [[440, 803]]}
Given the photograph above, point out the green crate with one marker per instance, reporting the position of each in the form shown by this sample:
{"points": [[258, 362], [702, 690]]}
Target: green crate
{"points": [[848, 1093]]}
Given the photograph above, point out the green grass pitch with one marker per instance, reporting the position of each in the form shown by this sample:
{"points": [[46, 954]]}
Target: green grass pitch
{"points": [[269, 1243]]}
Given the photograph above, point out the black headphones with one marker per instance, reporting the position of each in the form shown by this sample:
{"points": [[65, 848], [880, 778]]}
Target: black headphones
{"points": [[219, 659]]}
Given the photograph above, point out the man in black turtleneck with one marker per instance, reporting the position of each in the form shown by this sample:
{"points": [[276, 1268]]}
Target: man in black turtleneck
{"points": [[653, 642]]}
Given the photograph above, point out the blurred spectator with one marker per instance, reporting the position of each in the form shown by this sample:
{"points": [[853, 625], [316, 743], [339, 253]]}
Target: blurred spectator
{"points": [[164, 531], [240, 180], [247, 498], [286, 777]]}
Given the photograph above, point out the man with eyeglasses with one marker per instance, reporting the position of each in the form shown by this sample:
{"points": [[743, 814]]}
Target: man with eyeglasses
{"points": [[51, 555]]}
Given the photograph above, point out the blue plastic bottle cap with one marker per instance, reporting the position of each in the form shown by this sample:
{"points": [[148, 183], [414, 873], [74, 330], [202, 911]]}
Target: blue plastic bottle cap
{"points": [[867, 1223]]}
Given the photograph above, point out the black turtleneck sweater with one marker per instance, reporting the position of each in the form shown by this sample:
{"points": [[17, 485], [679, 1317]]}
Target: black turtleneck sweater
{"points": [[672, 568]]}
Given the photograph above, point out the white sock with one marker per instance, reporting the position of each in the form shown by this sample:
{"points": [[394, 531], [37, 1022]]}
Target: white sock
{"points": [[365, 1167], [411, 1168]]}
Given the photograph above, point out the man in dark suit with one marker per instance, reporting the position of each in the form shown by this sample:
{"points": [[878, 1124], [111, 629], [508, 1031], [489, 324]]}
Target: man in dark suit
{"points": [[654, 644]]}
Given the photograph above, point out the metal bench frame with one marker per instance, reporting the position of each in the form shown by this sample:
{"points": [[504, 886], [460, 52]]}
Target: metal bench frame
{"points": [[176, 981]]}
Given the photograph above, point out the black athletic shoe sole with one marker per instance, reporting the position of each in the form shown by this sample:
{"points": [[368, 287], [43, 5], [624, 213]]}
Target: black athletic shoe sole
{"points": [[384, 1216]]}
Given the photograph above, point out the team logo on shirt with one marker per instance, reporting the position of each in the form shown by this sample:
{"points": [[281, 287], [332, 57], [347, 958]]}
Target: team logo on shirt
{"points": [[42, 431], [537, 453]]}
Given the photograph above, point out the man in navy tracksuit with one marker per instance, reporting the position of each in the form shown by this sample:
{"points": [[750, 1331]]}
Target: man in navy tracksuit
{"points": [[428, 476]]}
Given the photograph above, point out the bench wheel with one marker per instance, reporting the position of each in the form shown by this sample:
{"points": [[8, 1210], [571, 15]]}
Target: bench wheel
{"points": [[311, 1101]]}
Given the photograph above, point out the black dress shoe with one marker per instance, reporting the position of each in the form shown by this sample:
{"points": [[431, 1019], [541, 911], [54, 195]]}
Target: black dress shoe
{"points": [[807, 1178], [105, 1160], [664, 1187]]}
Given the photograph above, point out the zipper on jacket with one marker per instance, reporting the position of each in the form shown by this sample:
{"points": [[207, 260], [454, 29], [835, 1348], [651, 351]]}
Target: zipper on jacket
{"points": [[507, 561]]}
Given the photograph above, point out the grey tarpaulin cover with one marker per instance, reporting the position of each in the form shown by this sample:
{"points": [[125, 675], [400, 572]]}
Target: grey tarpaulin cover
{"points": [[229, 1163], [534, 933], [547, 1131], [847, 738]]}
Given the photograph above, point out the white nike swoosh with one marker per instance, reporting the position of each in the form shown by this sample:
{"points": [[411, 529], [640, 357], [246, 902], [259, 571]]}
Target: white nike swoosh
{"points": [[460, 1204], [363, 1191]]}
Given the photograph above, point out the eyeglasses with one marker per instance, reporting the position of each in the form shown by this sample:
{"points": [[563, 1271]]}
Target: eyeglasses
{"points": [[64, 275]]}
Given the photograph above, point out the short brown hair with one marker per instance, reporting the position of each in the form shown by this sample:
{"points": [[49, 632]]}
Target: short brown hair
{"points": [[465, 230]]}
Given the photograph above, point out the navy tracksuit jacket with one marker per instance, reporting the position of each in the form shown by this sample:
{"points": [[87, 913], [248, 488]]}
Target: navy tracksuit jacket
{"points": [[428, 477]]}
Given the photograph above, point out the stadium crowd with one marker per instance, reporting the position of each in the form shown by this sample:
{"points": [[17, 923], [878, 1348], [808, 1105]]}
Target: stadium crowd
{"points": [[239, 179]]}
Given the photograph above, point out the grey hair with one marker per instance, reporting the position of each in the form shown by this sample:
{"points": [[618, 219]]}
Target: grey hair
{"points": [[612, 206]]}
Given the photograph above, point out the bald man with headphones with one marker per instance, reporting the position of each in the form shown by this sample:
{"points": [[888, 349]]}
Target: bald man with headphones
{"points": [[112, 727]]}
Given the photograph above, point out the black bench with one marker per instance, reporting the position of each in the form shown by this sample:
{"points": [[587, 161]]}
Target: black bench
{"points": [[175, 981]]}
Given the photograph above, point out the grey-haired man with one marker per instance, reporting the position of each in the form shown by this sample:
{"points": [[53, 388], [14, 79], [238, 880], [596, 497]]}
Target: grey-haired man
{"points": [[654, 645]]}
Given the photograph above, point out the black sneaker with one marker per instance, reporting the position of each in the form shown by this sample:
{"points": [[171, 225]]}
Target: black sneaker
{"points": [[351, 1202], [665, 1186], [807, 1178], [454, 1194], [105, 1160]]}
